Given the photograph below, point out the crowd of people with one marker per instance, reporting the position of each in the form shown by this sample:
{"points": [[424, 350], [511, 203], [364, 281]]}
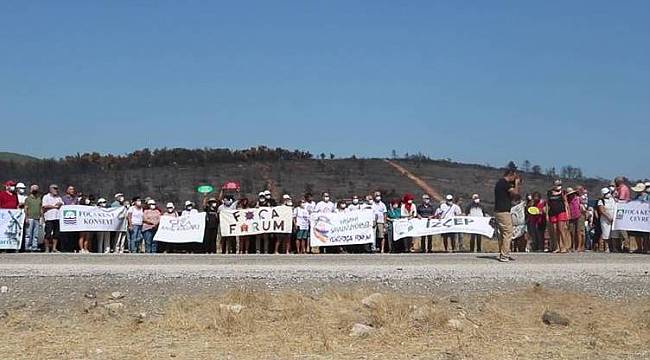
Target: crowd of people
{"points": [[560, 221]]}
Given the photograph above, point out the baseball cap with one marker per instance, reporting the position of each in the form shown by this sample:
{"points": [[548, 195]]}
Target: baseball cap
{"points": [[20, 186], [170, 205], [605, 191], [151, 202], [187, 203], [449, 197]]}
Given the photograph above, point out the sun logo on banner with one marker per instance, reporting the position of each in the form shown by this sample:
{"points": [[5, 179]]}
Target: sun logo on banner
{"points": [[322, 228]]}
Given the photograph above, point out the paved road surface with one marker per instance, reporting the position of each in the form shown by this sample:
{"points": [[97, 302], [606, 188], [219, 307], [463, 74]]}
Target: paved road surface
{"points": [[611, 275]]}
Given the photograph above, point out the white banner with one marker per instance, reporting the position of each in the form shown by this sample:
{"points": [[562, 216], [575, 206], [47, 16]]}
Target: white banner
{"points": [[633, 216], [91, 218], [345, 228], [11, 229], [182, 229], [255, 221], [459, 224]]}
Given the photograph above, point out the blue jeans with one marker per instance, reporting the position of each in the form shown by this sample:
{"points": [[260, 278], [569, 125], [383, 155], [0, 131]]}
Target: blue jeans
{"points": [[135, 238], [150, 246], [31, 235]]}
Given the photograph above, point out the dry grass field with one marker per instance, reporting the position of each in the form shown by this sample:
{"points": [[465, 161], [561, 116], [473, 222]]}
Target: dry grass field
{"points": [[247, 324]]}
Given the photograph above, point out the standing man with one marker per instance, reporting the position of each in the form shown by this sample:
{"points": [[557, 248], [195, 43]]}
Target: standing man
{"points": [[69, 239], [33, 213], [504, 190], [426, 211], [8, 198], [380, 210], [21, 193], [475, 210], [52, 202], [448, 210]]}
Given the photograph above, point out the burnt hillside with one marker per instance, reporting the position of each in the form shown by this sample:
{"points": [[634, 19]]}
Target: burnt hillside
{"points": [[175, 181]]}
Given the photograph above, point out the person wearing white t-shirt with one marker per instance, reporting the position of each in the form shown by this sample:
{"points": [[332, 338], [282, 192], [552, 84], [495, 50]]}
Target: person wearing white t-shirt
{"points": [[606, 210], [21, 192], [135, 218], [379, 210], [448, 210], [355, 205], [51, 204], [301, 223], [326, 205]]}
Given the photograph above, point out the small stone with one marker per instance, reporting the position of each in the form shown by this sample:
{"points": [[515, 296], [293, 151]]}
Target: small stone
{"points": [[231, 308], [361, 330], [553, 318], [454, 299], [140, 318], [98, 351], [4, 289], [455, 324], [114, 307], [89, 306], [373, 300], [116, 295], [90, 296]]}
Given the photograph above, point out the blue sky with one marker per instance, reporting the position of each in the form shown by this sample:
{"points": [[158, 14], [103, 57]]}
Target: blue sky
{"points": [[555, 82]]}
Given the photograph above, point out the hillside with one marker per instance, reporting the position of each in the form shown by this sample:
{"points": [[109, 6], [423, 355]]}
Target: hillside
{"points": [[9, 156], [342, 177]]}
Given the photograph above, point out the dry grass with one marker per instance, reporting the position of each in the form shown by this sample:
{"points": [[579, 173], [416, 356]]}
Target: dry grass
{"points": [[301, 326]]}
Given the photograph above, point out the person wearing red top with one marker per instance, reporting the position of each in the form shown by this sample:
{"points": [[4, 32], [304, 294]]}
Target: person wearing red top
{"points": [[9, 198], [536, 221], [622, 194]]}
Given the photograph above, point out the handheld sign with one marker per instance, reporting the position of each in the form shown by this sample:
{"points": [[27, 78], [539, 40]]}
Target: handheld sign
{"points": [[231, 185], [204, 189]]}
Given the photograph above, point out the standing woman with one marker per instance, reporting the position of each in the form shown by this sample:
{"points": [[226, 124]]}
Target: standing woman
{"points": [[170, 211], [394, 213], [244, 241], [408, 211], [135, 217], [150, 221], [103, 237], [211, 226], [606, 210], [558, 217]]}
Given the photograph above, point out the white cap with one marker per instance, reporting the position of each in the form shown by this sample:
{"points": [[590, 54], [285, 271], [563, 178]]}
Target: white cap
{"points": [[267, 192], [187, 203], [605, 191], [426, 196], [151, 202], [20, 186], [475, 196], [118, 195], [101, 200], [170, 205], [286, 197], [449, 197], [261, 194]]}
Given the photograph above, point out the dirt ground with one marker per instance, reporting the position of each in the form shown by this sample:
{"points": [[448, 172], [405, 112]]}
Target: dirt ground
{"points": [[260, 307], [293, 325]]}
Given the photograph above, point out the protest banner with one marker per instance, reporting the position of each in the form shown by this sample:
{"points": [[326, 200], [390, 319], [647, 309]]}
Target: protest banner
{"points": [[255, 221], [458, 224], [344, 228], [182, 229], [11, 229], [632, 216], [91, 218]]}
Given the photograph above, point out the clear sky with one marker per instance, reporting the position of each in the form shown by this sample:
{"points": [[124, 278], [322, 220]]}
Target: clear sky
{"points": [[555, 82]]}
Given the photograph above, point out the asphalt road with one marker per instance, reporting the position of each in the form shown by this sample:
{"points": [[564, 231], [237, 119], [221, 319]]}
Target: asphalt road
{"points": [[609, 275]]}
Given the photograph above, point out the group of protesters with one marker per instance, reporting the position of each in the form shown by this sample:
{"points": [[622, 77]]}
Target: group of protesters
{"points": [[564, 220]]}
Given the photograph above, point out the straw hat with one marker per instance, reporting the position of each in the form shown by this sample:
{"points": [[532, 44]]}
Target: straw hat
{"points": [[639, 187]]}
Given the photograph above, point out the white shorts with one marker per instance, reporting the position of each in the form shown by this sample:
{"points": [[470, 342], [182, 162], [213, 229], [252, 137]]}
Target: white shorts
{"points": [[606, 229]]}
